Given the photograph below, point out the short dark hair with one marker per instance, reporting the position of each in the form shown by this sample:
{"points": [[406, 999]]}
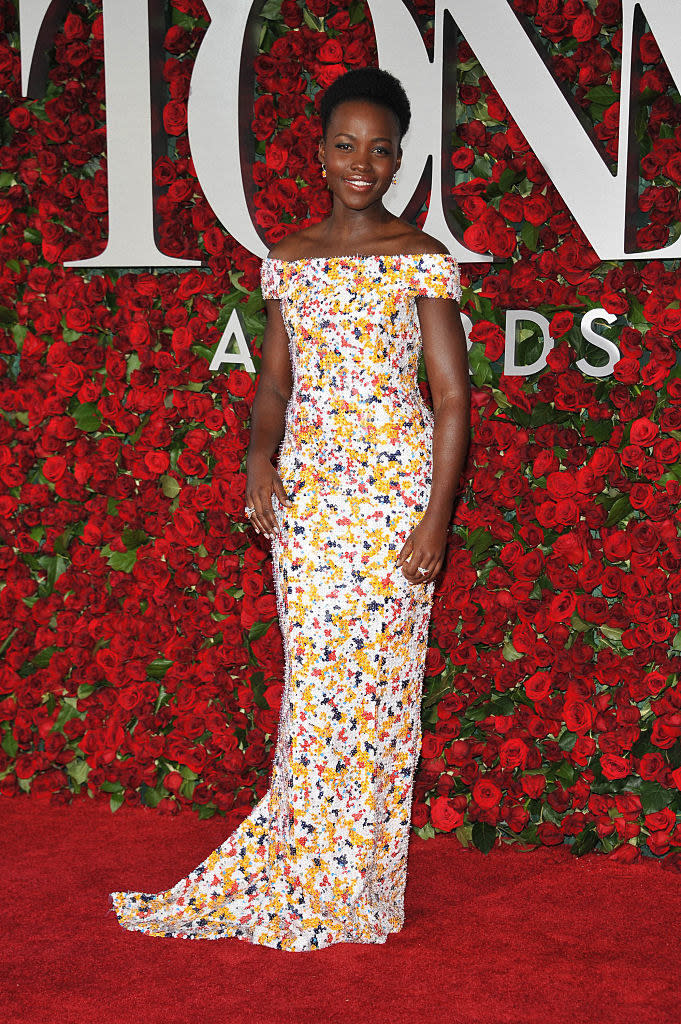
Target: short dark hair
{"points": [[371, 84]]}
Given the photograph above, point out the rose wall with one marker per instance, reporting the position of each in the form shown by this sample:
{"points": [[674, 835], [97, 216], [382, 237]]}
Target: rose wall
{"points": [[141, 658]]}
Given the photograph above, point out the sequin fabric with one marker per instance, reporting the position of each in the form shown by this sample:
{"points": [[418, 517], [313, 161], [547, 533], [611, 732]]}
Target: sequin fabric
{"points": [[322, 858]]}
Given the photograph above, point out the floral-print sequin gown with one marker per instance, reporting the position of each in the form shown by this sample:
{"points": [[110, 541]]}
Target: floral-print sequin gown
{"points": [[322, 857]]}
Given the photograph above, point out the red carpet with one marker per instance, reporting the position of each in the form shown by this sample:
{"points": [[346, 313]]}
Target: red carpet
{"points": [[507, 938]]}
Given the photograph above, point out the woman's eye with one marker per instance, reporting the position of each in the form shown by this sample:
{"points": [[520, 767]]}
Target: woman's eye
{"points": [[342, 145]]}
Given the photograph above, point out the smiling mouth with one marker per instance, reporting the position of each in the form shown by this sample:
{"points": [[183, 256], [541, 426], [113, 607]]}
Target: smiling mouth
{"points": [[359, 184]]}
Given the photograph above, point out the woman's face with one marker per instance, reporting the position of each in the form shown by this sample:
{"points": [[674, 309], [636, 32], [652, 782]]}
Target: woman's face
{"points": [[361, 152]]}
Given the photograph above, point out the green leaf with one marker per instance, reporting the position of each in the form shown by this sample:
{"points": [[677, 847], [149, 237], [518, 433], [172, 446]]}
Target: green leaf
{"points": [[603, 95], [501, 399], [78, 771], [206, 811], [356, 12], [117, 799], [676, 642], [316, 24], [477, 712], [509, 653], [87, 417], [653, 797], [111, 787], [123, 560], [503, 705], [150, 797], [440, 688], [619, 509], [10, 744], [484, 836], [566, 772], [579, 624], [584, 841], [158, 668], [271, 10], [170, 486], [427, 832], [134, 538], [530, 236], [464, 833], [507, 179], [258, 629], [68, 711], [567, 740], [479, 540]]}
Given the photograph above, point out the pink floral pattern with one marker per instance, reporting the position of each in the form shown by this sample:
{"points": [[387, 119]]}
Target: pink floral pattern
{"points": [[322, 858]]}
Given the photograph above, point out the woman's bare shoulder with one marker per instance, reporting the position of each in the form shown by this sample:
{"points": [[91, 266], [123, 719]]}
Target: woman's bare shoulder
{"points": [[295, 245], [416, 242]]}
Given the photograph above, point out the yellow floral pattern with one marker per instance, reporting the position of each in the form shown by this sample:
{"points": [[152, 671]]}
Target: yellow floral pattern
{"points": [[322, 858]]}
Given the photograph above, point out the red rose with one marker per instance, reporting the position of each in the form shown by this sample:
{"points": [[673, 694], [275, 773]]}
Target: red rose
{"points": [[331, 52], [614, 767], [658, 843], [585, 27], [561, 485], [486, 793], [156, 462], [431, 745], [538, 685], [562, 606], [651, 766], [513, 753], [419, 814], [490, 335], [649, 50], [444, 815], [175, 117], [69, 379], [536, 209], [561, 323], [533, 785], [476, 238], [462, 158], [578, 716], [643, 432], [664, 819], [435, 663], [511, 207], [548, 834]]}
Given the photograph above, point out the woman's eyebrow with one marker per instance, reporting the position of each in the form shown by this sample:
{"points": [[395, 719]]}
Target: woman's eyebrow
{"points": [[378, 138]]}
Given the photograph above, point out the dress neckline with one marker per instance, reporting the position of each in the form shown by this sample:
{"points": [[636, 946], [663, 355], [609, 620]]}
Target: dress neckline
{"points": [[360, 256]]}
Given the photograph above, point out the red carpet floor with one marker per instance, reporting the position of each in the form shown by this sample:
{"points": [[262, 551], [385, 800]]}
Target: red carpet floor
{"points": [[507, 938]]}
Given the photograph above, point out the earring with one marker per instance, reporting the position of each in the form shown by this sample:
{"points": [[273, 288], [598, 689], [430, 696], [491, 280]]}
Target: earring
{"points": [[394, 179], [323, 171]]}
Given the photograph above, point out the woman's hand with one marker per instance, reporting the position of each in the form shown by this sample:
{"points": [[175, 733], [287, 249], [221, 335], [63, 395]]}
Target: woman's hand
{"points": [[424, 547], [261, 483]]}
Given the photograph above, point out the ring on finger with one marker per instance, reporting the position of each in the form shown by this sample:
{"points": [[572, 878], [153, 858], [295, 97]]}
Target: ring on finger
{"points": [[423, 571]]}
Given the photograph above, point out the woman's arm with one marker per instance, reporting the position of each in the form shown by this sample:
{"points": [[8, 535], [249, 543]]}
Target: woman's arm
{"points": [[268, 422], [446, 359]]}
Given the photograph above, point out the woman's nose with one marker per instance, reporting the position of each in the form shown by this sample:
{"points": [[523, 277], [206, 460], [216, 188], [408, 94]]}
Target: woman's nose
{"points": [[361, 160]]}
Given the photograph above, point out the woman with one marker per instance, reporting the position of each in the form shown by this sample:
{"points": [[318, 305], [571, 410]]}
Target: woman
{"points": [[357, 512]]}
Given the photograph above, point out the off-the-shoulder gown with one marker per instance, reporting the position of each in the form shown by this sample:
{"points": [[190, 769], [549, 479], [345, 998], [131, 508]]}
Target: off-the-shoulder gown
{"points": [[322, 858]]}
